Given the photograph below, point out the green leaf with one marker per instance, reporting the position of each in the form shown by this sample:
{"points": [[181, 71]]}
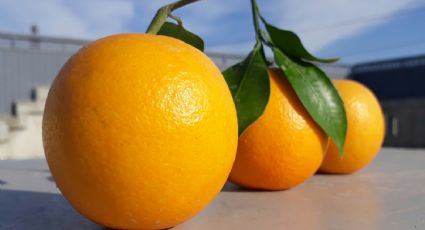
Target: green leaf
{"points": [[177, 31], [318, 95], [249, 84], [289, 43]]}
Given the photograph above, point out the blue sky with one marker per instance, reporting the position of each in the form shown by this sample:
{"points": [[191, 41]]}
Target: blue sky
{"points": [[356, 30]]}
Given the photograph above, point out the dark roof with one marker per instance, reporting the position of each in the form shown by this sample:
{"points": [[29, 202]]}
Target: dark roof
{"points": [[385, 65], [395, 79]]}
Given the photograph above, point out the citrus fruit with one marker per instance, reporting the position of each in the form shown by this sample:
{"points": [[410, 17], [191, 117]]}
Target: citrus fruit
{"points": [[284, 147], [365, 131], [140, 131]]}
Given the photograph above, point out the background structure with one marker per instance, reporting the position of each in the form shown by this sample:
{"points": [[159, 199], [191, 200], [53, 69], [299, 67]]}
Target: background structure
{"points": [[399, 85], [29, 63]]}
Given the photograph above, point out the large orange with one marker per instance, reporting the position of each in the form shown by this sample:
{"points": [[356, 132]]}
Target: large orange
{"points": [[365, 131], [284, 147], [140, 131]]}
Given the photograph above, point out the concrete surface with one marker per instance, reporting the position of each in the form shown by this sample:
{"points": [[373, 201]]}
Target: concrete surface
{"points": [[20, 133], [389, 194], [23, 140]]}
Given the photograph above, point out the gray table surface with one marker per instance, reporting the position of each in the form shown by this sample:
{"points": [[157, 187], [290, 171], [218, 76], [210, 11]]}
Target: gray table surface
{"points": [[389, 194]]}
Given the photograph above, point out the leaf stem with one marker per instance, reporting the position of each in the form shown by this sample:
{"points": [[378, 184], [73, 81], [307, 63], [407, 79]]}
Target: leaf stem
{"points": [[255, 16], [177, 19], [163, 13]]}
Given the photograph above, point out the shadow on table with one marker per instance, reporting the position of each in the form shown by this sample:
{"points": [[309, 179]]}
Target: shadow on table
{"points": [[230, 187], [36, 211]]}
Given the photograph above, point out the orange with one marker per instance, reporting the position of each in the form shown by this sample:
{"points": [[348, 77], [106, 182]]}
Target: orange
{"points": [[140, 131], [284, 147], [365, 131]]}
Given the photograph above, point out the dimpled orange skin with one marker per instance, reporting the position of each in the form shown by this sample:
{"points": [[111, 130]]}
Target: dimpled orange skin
{"points": [[140, 131], [284, 147], [365, 132]]}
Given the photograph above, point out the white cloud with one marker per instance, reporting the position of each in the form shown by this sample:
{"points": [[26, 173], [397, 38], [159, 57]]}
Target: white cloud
{"points": [[215, 9], [209, 18], [104, 17], [202, 16], [239, 48], [78, 19], [303, 16], [300, 15]]}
